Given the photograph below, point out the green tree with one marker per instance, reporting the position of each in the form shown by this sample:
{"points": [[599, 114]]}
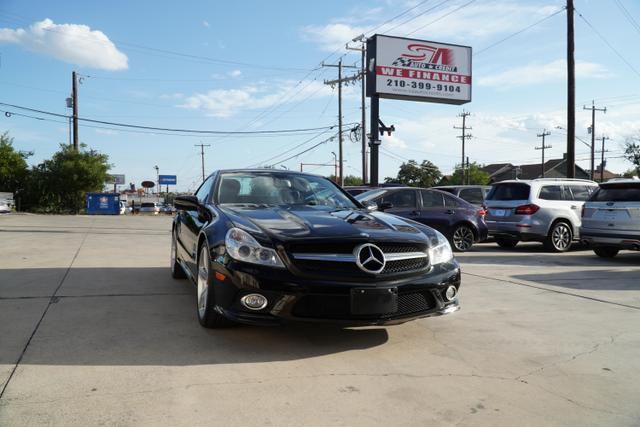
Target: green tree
{"points": [[13, 166], [425, 174], [632, 151], [61, 183], [348, 180], [476, 176], [631, 173]]}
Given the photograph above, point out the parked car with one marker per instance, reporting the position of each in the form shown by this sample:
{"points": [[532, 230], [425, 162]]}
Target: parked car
{"points": [[149, 208], [473, 194], [545, 210], [123, 207], [167, 209], [611, 218], [354, 190], [265, 246], [461, 222], [5, 207]]}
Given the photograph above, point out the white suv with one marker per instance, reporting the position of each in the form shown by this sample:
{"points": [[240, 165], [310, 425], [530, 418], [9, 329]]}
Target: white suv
{"points": [[611, 218], [545, 210]]}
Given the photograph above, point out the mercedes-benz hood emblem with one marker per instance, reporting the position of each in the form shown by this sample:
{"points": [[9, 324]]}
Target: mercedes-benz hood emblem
{"points": [[370, 258]]}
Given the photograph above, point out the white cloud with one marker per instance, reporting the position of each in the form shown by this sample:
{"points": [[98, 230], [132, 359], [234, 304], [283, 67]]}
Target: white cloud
{"points": [[536, 73], [205, 24], [72, 43], [235, 73], [331, 36], [483, 20], [225, 103]]}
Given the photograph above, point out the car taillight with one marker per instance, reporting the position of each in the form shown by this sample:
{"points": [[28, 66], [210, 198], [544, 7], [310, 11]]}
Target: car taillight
{"points": [[527, 209], [482, 212]]}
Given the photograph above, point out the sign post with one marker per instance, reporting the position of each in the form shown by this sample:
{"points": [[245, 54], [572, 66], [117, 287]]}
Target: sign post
{"points": [[414, 70]]}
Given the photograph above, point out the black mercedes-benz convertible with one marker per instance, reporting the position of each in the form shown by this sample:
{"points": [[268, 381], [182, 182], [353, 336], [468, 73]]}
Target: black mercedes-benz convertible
{"points": [[266, 246]]}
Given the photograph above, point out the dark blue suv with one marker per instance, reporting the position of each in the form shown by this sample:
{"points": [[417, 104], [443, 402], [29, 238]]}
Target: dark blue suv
{"points": [[462, 222]]}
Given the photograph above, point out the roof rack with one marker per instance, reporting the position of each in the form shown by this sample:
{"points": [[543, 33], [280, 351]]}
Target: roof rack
{"points": [[563, 179]]}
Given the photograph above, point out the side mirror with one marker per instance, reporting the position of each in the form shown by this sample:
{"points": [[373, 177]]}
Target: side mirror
{"points": [[186, 203], [371, 206], [385, 205]]}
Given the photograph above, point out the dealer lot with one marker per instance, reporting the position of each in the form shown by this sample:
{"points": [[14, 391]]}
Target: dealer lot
{"points": [[93, 330]]}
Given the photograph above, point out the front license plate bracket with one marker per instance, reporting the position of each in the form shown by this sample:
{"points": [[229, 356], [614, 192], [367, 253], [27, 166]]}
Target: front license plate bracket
{"points": [[367, 301]]}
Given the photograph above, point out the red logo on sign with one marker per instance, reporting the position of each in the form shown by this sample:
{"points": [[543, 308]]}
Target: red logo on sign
{"points": [[433, 55]]}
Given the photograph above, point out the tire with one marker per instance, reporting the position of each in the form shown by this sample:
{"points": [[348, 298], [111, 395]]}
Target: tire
{"points": [[504, 242], [606, 251], [559, 238], [462, 238], [205, 300], [176, 269]]}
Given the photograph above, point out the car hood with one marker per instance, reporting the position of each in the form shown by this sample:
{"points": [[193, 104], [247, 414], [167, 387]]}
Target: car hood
{"points": [[286, 224]]}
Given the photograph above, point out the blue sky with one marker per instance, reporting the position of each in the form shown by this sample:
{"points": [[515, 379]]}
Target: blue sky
{"points": [[254, 65]]}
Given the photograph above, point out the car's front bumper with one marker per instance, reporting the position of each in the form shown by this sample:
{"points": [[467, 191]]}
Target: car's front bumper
{"points": [[294, 299]]}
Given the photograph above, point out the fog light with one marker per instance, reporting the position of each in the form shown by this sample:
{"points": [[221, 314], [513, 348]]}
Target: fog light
{"points": [[254, 301], [451, 293]]}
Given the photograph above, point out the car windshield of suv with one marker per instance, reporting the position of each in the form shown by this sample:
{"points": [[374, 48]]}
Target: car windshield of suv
{"points": [[148, 205], [509, 191], [623, 192], [261, 189]]}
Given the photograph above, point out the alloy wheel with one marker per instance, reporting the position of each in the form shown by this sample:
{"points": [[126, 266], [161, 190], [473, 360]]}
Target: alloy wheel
{"points": [[203, 281], [463, 238], [561, 237]]}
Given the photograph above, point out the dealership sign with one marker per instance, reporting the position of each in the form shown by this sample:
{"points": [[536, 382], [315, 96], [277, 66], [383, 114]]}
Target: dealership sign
{"points": [[117, 179], [168, 179], [418, 70]]}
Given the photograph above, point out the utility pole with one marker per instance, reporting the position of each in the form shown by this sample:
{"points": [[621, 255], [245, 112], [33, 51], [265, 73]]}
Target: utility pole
{"points": [[363, 125], [468, 178], [543, 147], [464, 138], [571, 95], [202, 155], [602, 163], [157, 179], [339, 82], [335, 166], [74, 100], [593, 133]]}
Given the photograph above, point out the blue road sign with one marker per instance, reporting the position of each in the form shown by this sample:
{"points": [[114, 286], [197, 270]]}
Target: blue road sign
{"points": [[168, 179]]}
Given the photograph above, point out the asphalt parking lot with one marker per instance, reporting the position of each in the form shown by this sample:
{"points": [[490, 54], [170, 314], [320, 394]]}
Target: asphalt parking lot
{"points": [[93, 330]]}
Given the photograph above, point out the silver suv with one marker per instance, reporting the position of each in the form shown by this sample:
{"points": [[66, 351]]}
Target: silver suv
{"points": [[545, 210], [611, 218]]}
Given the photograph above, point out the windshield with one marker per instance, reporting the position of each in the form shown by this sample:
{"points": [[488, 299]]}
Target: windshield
{"points": [[369, 195], [623, 192], [509, 191], [148, 205], [281, 189]]}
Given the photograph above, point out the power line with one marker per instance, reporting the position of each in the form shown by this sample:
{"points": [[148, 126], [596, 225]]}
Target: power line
{"points": [[288, 150], [613, 49], [416, 16], [442, 17], [518, 32], [307, 150], [628, 16], [127, 125]]}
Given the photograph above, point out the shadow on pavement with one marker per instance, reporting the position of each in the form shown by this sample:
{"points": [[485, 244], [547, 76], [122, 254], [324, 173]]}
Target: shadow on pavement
{"points": [[607, 280], [123, 326]]}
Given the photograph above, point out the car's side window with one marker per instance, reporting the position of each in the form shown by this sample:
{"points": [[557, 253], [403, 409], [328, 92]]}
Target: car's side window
{"points": [[203, 192], [452, 202], [432, 199], [551, 192], [472, 195], [401, 199], [581, 192]]}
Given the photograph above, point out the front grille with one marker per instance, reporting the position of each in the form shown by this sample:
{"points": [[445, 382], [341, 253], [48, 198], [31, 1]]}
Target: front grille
{"points": [[350, 269], [339, 306]]}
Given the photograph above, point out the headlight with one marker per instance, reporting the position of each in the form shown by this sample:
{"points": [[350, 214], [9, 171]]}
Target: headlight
{"points": [[441, 250], [243, 247]]}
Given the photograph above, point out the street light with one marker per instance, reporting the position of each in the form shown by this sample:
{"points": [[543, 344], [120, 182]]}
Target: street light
{"points": [[158, 178]]}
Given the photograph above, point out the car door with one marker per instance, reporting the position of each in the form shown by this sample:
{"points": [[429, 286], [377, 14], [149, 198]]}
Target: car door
{"points": [[556, 199], [191, 222], [404, 202], [579, 194], [433, 211]]}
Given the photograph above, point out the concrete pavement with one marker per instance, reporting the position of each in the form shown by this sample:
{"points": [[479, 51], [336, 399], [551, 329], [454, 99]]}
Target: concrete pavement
{"points": [[93, 330]]}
